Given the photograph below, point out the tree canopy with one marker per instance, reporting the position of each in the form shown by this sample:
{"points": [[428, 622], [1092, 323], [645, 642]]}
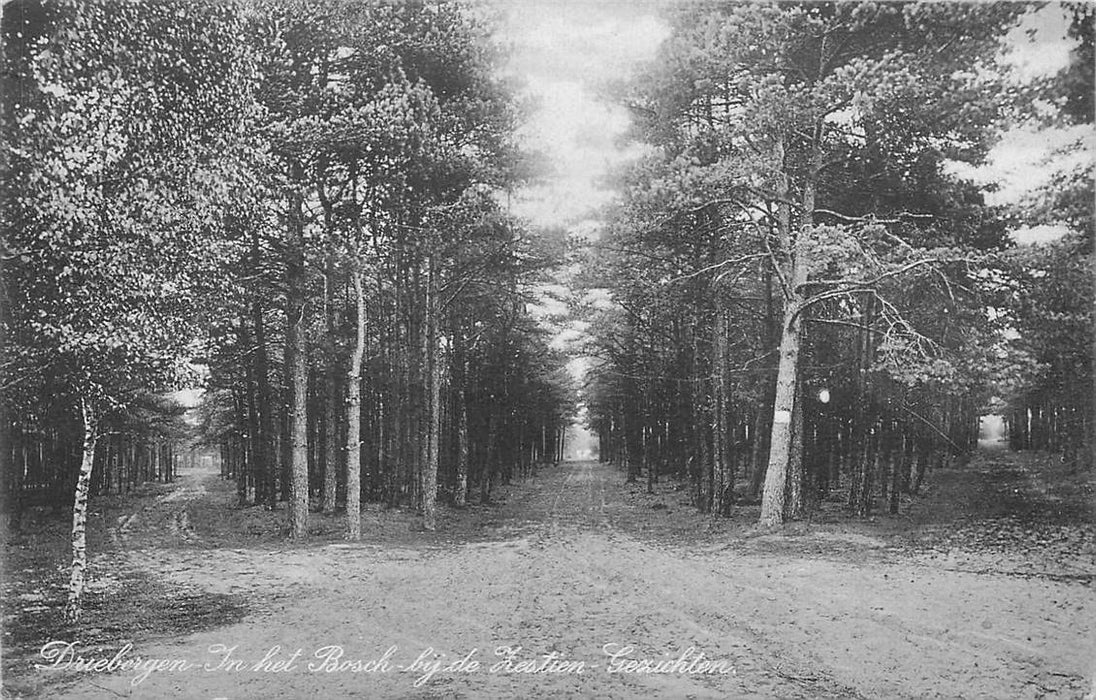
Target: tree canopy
{"points": [[798, 228], [302, 202]]}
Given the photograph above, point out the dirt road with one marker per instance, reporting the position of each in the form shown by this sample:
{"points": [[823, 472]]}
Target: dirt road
{"points": [[577, 586]]}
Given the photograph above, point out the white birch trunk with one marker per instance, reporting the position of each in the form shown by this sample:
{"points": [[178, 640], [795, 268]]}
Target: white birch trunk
{"points": [[353, 418], [78, 575]]}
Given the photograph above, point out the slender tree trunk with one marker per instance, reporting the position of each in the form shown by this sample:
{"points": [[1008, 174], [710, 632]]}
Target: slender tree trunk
{"points": [[725, 473], [432, 377], [460, 498], [759, 453], [19, 470], [80, 513], [490, 450], [897, 459], [652, 472], [249, 421], [332, 392], [285, 428], [298, 365], [353, 416], [12, 470], [265, 455], [794, 507], [922, 455], [331, 437], [10, 479], [634, 437], [762, 430], [331, 442]]}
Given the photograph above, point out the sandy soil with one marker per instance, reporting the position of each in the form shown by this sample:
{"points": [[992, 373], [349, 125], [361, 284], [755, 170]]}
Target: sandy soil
{"points": [[961, 597]]}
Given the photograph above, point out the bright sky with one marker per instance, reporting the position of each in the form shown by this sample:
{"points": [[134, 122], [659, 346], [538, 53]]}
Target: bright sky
{"points": [[563, 51], [1026, 159]]}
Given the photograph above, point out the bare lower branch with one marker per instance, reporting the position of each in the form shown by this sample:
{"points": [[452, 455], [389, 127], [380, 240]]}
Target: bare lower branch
{"points": [[930, 424], [850, 324], [709, 268], [872, 218]]}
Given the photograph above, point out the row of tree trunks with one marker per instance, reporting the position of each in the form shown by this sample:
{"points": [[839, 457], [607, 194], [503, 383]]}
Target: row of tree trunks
{"points": [[41, 467], [851, 450], [409, 451], [1048, 425]]}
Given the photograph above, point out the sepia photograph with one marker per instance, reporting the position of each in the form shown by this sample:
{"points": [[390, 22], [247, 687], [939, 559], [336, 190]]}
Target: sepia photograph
{"points": [[547, 349]]}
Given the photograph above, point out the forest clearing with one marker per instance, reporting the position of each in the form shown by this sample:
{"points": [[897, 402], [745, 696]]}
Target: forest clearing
{"points": [[983, 590], [516, 348]]}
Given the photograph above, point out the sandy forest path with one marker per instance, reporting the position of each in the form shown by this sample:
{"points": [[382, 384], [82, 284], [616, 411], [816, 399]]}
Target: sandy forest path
{"points": [[567, 566]]}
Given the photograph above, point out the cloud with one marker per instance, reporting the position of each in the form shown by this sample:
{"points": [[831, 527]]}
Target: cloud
{"points": [[1033, 235], [1038, 46], [1026, 159], [580, 134], [564, 52]]}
